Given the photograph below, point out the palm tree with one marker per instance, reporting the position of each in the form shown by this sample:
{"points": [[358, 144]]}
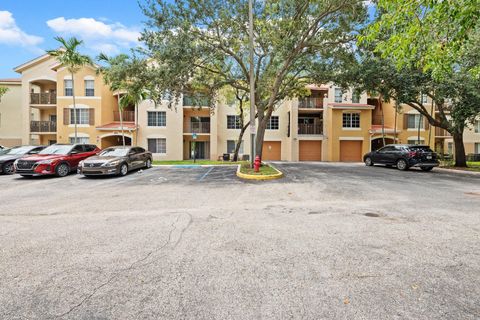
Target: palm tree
{"points": [[134, 95], [68, 56], [115, 75]]}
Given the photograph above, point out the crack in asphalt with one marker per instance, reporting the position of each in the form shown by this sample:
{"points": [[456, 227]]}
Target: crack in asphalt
{"points": [[132, 265]]}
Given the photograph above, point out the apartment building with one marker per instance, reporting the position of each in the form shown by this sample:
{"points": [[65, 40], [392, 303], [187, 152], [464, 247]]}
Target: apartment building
{"points": [[331, 124], [10, 113]]}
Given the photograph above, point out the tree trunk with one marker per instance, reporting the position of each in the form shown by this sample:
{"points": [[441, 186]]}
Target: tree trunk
{"points": [[383, 121], [460, 158], [120, 113], [136, 124], [262, 125], [74, 110], [239, 142]]}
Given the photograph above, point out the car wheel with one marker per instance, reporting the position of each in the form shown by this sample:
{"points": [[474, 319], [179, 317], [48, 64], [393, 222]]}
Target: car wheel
{"points": [[8, 168], [123, 169], [148, 163], [368, 162], [427, 168], [62, 170], [402, 165]]}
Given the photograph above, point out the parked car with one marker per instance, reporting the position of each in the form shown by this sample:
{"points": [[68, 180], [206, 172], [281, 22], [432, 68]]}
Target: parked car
{"points": [[57, 159], [10, 155], [403, 156], [3, 149], [116, 161]]}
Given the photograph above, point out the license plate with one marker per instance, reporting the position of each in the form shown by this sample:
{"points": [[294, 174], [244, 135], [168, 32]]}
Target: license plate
{"points": [[429, 157]]}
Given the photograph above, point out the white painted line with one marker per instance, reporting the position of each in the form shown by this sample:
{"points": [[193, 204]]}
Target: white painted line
{"points": [[206, 174]]}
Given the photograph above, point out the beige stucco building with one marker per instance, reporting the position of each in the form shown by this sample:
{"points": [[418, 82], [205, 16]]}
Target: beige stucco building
{"points": [[330, 125]]}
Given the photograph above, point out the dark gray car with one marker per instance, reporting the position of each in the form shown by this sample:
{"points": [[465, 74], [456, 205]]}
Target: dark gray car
{"points": [[116, 161], [9, 156]]}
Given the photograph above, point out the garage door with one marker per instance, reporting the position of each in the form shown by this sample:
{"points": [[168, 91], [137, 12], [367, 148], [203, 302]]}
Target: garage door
{"points": [[351, 151], [310, 150], [272, 150]]}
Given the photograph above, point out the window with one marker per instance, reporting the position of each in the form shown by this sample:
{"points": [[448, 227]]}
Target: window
{"points": [[355, 97], [157, 118], [477, 148], [79, 140], [477, 126], [82, 116], [157, 145], [90, 147], [450, 148], [414, 141], [351, 120], [424, 98], [233, 122], [89, 88], [68, 87], [414, 120], [231, 144], [273, 123], [338, 95]]}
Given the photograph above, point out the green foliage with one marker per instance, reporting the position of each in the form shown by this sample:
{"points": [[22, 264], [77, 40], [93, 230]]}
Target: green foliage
{"points": [[432, 35], [69, 56], [3, 91]]}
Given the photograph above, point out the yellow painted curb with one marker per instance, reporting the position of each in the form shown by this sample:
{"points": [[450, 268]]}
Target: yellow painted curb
{"points": [[259, 177]]}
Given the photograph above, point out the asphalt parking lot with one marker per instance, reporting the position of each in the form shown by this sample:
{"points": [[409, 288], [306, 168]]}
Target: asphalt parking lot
{"points": [[329, 241]]}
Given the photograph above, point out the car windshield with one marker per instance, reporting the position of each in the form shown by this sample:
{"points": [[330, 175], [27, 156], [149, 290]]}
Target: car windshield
{"points": [[18, 150], [56, 149], [420, 148], [114, 152]]}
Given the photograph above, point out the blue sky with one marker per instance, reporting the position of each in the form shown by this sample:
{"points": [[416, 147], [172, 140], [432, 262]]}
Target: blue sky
{"points": [[27, 27]]}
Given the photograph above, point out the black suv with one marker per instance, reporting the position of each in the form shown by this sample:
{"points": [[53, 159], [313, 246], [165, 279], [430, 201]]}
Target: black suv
{"points": [[403, 156]]}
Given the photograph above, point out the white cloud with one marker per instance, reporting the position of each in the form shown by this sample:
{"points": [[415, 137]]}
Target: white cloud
{"points": [[98, 36], [11, 34]]}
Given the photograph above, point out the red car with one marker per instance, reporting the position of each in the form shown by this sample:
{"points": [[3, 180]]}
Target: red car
{"points": [[57, 159]]}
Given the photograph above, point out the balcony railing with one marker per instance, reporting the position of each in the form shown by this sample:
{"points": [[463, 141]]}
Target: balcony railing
{"points": [[199, 127], [439, 132], [43, 98], [189, 101], [43, 126], [128, 116], [310, 103], [304, 128]]}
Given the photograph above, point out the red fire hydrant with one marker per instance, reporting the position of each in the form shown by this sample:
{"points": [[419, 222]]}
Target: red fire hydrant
{"points": [[257, 163]]}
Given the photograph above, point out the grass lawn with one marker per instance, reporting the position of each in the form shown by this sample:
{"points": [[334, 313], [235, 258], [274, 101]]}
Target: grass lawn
{"points": [[472, 166], [197, 162], [265, 170]]}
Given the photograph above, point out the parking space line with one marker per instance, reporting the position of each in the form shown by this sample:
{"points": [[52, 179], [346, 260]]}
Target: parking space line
{"points": [[206, 174]]}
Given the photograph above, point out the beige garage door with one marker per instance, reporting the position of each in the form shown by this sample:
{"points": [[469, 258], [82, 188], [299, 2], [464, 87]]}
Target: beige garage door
{"points": [[272, 150], [351, 151], [310, 150]]}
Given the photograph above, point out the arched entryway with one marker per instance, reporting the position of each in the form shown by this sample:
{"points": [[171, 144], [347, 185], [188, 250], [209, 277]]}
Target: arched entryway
{"points": [[377, 142], [115, 140]]}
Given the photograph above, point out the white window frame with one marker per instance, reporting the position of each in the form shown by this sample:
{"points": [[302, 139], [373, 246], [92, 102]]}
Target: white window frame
{"points": [[160, 143], [159, 116], [338, 96], [83, 116], [424, 98], [89, 87], [236, 124], [416, 121], [477, 126], [351, 123], [70, 87], [273, 123], [80, 140], [232, 150]]}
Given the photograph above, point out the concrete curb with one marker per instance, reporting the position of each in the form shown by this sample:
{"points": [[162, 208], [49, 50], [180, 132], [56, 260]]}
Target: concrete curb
{"points": [[259, 177], [193, 165], [458, 171]]}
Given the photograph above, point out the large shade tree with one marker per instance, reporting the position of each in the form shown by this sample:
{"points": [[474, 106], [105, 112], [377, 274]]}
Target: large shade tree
{"points": [[429, 47], [69, 56], [204, 44]]}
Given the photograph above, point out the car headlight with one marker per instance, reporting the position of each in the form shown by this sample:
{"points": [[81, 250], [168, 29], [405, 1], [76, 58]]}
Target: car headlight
{"points": [[45, 162], [80, 164], [111, 163]]}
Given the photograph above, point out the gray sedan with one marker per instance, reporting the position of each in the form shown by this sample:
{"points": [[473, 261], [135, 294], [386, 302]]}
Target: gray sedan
{"points": [[116, 161]]}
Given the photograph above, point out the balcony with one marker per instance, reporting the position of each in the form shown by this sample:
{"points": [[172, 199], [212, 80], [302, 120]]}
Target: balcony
{"points": [[43, 98], [43, 126], [128, 116], [198, 127], [310, 103], [196, 101], [310, 129], [439, 132]]}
